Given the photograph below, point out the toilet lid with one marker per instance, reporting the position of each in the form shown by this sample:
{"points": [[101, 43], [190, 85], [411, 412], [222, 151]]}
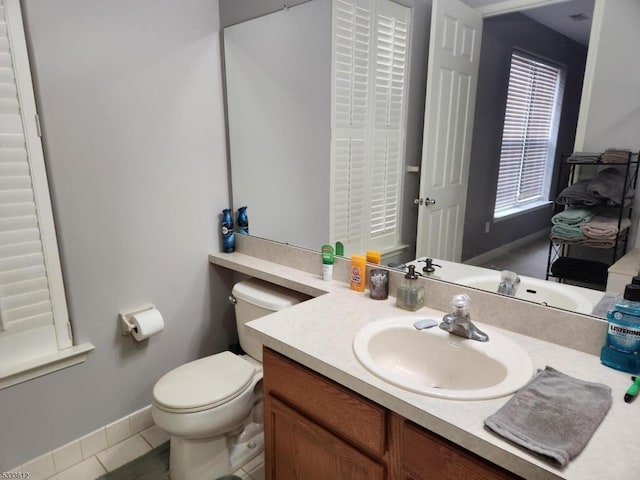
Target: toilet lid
{"points": [[206, 382]]}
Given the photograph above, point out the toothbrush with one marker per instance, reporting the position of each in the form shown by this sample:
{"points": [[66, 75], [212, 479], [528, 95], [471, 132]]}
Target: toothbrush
{"points": [[633, 390]]}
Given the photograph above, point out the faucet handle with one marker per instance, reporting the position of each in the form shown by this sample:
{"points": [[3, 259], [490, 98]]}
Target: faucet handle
{"points": [[460, 303], [510, 277]]}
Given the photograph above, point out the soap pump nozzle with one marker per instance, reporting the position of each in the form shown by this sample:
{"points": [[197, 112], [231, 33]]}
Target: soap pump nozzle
{"points": [[429, 266], [411, 274]]}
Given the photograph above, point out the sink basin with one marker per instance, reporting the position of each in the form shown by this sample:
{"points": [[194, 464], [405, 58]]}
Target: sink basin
{"points": [[436, 363], [536, 290]]}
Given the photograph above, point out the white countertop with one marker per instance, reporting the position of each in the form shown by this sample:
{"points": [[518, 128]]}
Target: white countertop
{"points": [[318, 334]]}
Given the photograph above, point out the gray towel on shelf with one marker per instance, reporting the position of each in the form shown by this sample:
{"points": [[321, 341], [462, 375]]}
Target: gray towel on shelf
{"points": [[555, 415], [608, 185], [577, 194], [584, 157]]}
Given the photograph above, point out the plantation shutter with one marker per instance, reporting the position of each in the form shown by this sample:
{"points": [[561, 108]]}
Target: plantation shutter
{"points": [[370, 62], [33, 312], [528, 135], [391, 50], [352, 47]]}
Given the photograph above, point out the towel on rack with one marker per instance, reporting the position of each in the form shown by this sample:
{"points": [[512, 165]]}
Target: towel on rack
{"points": [[568, 232], [608, 185], [577, 194], [561, 239], [580, 157], [597, 243], [613, 155], [604, 227], [555, 415], [573, 216]]}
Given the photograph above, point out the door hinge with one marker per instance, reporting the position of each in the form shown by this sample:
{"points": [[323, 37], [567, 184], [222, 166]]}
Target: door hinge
{"points": [[38, 128], [69, 331]]}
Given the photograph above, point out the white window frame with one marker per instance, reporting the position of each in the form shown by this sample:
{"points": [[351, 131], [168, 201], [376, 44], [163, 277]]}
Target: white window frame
{"points": [[367, 143], [520, 205], [25, 354]]}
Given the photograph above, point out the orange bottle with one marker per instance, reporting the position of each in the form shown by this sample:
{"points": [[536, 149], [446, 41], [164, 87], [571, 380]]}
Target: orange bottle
{"points": [[358, 272], [373, 256]]}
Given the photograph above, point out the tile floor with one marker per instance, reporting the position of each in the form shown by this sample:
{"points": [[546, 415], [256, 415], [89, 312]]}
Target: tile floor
{"points": [[253, 470], [529, 260], [120, 453], [110, 447]]}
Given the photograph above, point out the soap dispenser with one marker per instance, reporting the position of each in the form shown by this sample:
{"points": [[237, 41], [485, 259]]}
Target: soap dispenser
{"points": [[410, 294]]}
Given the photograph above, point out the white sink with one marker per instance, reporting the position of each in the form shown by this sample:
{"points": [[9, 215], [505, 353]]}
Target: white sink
{"points": [[437, 363], [536, 290]]}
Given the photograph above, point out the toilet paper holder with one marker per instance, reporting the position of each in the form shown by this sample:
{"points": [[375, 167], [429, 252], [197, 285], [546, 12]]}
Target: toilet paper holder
{"points": [[126, 327]]}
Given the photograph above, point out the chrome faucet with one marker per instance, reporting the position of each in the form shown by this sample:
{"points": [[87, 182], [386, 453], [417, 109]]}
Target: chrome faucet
{"points": [[509, 283], [459, 322]]}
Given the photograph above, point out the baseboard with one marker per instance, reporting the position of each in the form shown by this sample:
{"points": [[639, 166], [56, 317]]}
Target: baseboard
{"points": [[104, 444]]}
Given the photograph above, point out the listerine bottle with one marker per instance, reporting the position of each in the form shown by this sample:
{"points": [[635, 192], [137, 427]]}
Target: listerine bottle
{"points": [[622, 345], [226, 228]]}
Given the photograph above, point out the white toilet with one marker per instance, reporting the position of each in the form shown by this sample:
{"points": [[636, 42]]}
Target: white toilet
{"points": [[212, 407]]}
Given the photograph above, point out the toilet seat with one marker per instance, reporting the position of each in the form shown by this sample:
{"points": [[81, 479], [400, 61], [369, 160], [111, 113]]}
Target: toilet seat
{"points": [[203, 384]]}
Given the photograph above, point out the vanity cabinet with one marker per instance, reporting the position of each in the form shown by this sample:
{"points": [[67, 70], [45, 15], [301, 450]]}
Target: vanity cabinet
{"points": [[427, 456], [316, 429]]}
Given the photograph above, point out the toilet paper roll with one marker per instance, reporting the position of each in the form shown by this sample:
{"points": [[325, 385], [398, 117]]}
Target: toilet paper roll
{"points": [[146, 323]]}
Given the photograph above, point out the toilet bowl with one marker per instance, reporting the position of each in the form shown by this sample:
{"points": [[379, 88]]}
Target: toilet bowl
{"points": [[212, 407]]}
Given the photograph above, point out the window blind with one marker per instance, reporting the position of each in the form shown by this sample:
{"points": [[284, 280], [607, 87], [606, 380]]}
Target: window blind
{"points": [[528, 137]]}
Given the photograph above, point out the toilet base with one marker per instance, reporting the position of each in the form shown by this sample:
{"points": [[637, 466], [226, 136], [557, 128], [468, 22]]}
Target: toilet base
{"points": [[210, 458]]}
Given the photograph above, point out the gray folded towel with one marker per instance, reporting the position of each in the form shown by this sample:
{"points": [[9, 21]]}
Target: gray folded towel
{"points": [[577, 194], [555, 415], [608, 185]]}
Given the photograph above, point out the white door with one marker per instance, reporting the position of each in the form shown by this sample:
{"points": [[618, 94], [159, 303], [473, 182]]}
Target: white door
{"points": [[452, 75]]}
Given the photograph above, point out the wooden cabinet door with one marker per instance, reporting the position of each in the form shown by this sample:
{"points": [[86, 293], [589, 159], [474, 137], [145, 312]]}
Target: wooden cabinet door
{"points": [[427, 456], [298, 449]]}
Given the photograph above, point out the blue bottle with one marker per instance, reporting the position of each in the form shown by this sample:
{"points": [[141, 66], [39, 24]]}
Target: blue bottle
{"points": [[243, 221], [226, 227], [622, 345]]}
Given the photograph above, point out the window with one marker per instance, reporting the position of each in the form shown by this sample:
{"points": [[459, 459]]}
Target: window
{"points": [[529, 137], [35, 334], [370, 75]]}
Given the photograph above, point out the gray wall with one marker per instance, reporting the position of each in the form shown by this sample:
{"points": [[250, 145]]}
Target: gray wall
{"points": [[415, 121], [236, 11], [500, 35], [131, 106]]}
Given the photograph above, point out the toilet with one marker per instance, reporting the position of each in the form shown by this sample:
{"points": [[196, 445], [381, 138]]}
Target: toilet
{"points": [[212, 407]]}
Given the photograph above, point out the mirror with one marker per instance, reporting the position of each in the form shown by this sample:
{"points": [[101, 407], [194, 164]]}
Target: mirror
{"points": [[300, 197]]}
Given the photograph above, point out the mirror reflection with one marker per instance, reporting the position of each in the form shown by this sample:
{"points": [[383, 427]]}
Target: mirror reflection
{"points": [[302, 118]]}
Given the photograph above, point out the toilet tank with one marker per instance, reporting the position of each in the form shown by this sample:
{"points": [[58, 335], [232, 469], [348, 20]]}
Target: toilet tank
{"points": [[257, 298]]}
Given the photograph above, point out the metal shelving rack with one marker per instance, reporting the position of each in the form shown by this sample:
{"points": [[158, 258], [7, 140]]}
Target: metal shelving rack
{"points": [[557, 250]]}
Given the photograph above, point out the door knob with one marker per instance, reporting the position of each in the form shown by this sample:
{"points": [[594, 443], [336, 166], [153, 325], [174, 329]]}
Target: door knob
{"points": [[429, 201]]}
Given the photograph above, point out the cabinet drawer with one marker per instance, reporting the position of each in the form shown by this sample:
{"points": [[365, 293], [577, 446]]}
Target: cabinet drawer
{"points": [[428, 456], [339, 410]]}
